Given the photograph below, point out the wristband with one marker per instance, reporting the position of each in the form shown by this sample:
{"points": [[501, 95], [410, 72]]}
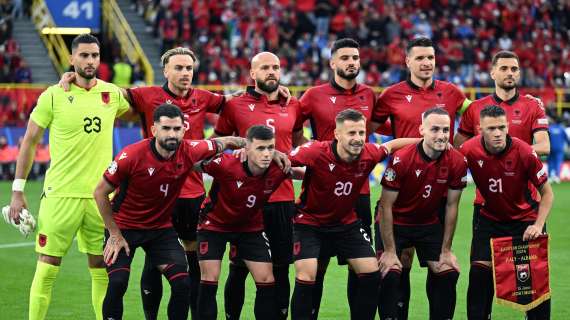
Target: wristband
{"points": [[19, 185]]}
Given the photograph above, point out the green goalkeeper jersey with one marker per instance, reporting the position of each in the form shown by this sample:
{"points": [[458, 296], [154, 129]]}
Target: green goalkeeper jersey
{"points": [[80, 124]]}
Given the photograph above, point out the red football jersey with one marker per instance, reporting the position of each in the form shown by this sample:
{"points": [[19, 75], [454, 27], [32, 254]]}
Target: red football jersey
{"points": [[331, 186], [405, 102], [525, 117], [236, 199], [148, 185], [503, 179], [252, 108], [194, 105], [422, 183], [322, 103]]}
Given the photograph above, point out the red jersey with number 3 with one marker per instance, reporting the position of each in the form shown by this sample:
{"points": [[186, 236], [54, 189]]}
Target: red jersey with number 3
{"points": [[236, 198], [148, 185], [331, 186], [404, 103], [252, 108], [321, 104], [194, 105], [503, 178], [422, 183]]}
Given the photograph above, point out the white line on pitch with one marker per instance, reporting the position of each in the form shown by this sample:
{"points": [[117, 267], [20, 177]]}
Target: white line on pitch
{"points": [[16, 245]]}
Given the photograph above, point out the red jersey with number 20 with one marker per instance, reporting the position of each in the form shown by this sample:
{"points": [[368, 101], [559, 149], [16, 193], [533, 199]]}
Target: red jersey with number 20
{"points": [[148, 184], [331, 186], [503, 178]]}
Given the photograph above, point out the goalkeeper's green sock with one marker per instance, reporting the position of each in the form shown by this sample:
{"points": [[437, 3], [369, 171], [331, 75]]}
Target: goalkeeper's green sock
{"points": [[40, 292], [99, 282]]}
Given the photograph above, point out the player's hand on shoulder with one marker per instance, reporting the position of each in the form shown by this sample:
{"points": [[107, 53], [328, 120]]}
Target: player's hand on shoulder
{"points": [[66, 80], [284, 91], [282, 161], [115, 244], [532, 232], [388, 261], [241, 154]]}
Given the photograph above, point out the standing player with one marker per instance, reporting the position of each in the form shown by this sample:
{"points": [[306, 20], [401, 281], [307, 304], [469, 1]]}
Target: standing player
{"points": [[501, 166], [233, 213], [261, 105], [414, 191], [404, 103], [141, 217], [326, 223], [80, 126], [320, 105]]}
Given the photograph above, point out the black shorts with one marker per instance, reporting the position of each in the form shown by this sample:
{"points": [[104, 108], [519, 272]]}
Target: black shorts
{"points": [[364, 214], [278, 221], [252, 246], [185, 217], [160, 245], [484, 229], [346, 241]]}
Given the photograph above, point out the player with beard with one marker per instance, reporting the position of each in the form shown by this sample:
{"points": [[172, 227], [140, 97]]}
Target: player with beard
{"points": [[420, 182], [320, 105], [502, 167], [80, 126], [403, 104], [141, 217], [262, 105]]}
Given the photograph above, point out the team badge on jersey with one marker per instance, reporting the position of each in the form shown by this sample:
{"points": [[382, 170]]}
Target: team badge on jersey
{"points": [[390, 174], [105, 97], [112, 168]]}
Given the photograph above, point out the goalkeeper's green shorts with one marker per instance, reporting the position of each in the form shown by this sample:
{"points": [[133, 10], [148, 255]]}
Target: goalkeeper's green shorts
{"points": [[60, 219]]}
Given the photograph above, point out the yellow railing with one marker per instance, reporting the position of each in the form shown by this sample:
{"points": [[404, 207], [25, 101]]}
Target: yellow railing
{"points": [[115, 24], [55, 45]]}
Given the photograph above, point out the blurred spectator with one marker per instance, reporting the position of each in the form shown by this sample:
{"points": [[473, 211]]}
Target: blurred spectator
{"points": [[41, 160], [8, 155], [122, 73], [23, 73], [558, 142], [104, 72]]}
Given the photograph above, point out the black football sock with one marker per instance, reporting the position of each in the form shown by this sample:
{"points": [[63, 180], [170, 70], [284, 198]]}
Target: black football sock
{"points": [[234, 291], [151, 289], [301, 303], [194, 275], [207, 307], [442, 294], [264, 308], [541, 312], [367, 296], [351, 291], [480, 292], [317, 294], [389, 295], [282, 290], [404, 300], [177, 276], [118, 283]]}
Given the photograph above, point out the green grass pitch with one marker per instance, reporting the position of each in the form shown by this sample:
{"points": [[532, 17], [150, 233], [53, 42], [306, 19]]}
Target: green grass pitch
{"points": [[72, 298]]}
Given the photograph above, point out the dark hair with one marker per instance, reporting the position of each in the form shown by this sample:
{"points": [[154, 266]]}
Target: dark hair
{"points": [[504, 55], [167, 110], [84, 38], [492, 111], [344, 43], [259, 132], [350, 115], [434, 110], [419, 42]]}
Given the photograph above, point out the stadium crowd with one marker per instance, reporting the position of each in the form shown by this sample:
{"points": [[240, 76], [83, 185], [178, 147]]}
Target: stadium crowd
{"points": [[13, 67]]}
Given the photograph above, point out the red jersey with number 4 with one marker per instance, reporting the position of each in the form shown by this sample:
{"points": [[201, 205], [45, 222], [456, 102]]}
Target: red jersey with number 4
{"points": [[194, 105], [525, 117], [404, 103], [148, 185], [503, 178], [331, 186], [322, 103], [252, 108], [422, 183], [236, 199]]}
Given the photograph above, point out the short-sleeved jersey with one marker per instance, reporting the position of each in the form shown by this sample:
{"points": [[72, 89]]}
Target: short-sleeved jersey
{"points": [[503, 178], [252, 108], [148, 184], [235, 201], [80, 124], [331, 186], [422, 183], [194, 105], [322, 103], [405, 102], [525, 117]]}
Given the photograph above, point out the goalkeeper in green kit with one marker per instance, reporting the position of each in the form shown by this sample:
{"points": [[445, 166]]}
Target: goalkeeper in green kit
{"points": [[80, 124]]}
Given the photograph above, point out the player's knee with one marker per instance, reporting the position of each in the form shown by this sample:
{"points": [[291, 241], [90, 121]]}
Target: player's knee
{"points": [[53, 260], [264, 277], [177, 276], [95, 261], [118, 281], [305, 275]]}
